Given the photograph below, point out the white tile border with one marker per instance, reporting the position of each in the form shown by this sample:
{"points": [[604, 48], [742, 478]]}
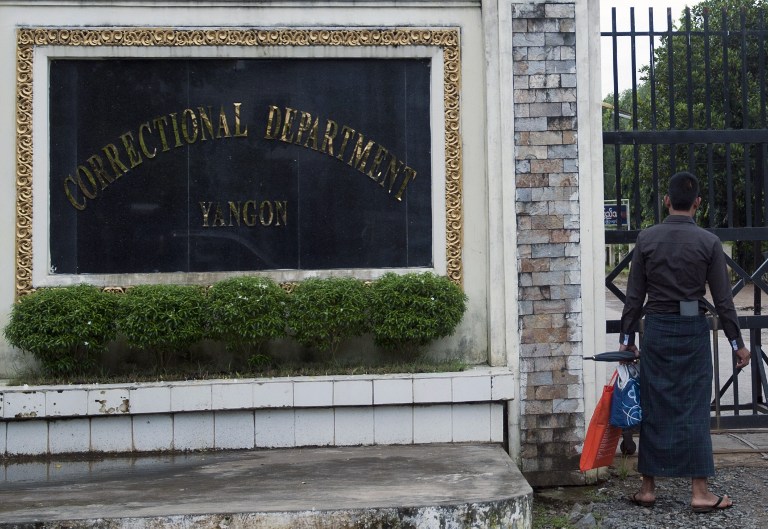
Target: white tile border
{"points": [[24, 404], [474, 385], [257, 413]]}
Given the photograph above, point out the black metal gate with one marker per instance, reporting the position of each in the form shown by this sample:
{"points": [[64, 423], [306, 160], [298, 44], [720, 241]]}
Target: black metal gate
{"points": [[699, 104]]}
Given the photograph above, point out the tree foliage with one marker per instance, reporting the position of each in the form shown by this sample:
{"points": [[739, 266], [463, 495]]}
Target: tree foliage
{"points": [[710, 73]]}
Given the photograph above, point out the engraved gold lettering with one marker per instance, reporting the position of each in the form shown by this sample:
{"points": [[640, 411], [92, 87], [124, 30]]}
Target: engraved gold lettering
{"points": [[143, 144], [312, 135], [273, 122], [206, 209], [391, 175], [97, 165], [266, 213], [87, 192], [138, 144], [118, 167], [206, 123], [348, 133], [331, 128], [189, 115], [239, 133], [249, 218], [287, 134], [249, 213], [281, 207], [223, 125], [78, 206], [304, 123], [234, 213], [160, 124], [175, 129], [133, 156], [384, 168], [408, 175], [360, 155], [218, 216], [374, 172]]}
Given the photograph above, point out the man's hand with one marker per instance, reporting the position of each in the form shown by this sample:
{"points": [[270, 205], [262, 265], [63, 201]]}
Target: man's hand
{"points": [[632, 348], [742, 356]]}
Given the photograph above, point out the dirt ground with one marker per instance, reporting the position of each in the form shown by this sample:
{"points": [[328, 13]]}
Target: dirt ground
{"points": [[743, 475]]}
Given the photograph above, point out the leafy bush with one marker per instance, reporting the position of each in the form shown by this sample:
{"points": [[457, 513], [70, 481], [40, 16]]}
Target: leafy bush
{"points": [[65, 328], [323, 312], [246, 312], [163, 319], [409, 311]]}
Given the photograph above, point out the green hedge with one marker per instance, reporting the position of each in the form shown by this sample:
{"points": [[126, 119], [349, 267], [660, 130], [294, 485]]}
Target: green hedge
{"points": [[246, 312], [68, 328], [65, 328], [410, 311], [325, 312], [164, 319]]}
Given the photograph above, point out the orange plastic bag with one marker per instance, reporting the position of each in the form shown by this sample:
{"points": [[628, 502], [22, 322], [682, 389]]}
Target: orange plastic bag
{"points": [[602, 438]]}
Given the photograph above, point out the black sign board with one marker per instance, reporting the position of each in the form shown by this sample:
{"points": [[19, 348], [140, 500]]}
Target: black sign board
{"points": [[206, 165]]}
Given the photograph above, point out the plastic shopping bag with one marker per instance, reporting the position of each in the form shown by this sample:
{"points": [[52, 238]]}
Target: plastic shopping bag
{"points": [[602, 438], [625, 406]]}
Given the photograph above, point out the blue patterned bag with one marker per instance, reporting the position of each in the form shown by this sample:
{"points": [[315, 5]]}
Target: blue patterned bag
{"points": [[625, 405]]}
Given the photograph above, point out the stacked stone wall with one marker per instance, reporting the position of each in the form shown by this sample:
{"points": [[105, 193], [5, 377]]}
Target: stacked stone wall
{"points": [[548, 245]]}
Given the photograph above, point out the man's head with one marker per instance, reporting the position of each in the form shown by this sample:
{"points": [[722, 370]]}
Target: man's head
{"points": [[683, 190]]}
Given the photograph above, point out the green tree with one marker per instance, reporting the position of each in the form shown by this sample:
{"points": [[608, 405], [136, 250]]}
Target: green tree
{"points": [[706, 54]]}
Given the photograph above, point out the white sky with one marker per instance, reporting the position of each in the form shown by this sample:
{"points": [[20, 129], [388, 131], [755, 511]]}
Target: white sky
{"points": [[641, 44]]}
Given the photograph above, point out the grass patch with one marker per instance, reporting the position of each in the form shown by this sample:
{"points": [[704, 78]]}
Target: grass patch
{"points": [[287, 369], [545, 518]]}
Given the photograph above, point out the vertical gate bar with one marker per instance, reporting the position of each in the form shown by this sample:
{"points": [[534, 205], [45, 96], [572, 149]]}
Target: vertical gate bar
{"points": [[707, 72], [716, 369], [654, 146], [708, 107], [727, 124], [758, 356], [745, 118], [763, 178], [744, 81], [759, 188], [761, 170], [671, 85], [760, 217], [761, 67], [726, 80], [710, 172], [635, 147], [616, 124], [728, 183], [689, 86]]}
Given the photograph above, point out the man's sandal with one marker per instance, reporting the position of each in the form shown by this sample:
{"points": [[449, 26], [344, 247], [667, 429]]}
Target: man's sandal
{"points": [[714, 507], [641, 503]]}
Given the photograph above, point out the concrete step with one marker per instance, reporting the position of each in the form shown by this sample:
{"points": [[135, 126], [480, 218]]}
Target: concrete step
{"points": [[418, 486]]}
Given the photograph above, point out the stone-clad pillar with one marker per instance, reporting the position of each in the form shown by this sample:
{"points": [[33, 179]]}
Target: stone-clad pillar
{"points": [[548, 242]]}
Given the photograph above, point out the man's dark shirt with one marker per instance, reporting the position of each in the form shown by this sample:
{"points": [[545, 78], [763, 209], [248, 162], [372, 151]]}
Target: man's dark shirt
{"points": [[672, 262]]}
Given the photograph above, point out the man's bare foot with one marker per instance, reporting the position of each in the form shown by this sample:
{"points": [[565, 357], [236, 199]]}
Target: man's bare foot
{"points": [[643, 499], [711, 503]]}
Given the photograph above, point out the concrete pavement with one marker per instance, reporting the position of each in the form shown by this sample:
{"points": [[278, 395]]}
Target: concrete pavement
{"points": [[373, 486]]}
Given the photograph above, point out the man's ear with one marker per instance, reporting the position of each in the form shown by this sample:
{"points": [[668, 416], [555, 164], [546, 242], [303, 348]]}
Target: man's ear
{"points": [[667, 204]]}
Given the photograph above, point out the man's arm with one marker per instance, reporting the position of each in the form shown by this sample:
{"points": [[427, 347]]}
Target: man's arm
{"points": [[633, 305], [722, 297]]}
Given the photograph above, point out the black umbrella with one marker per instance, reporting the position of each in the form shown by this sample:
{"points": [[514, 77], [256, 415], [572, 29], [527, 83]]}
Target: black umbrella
{"points": [[612, 356]]}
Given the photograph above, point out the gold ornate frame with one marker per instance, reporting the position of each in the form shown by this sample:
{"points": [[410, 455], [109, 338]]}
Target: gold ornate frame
{"points": [[29, 38]]}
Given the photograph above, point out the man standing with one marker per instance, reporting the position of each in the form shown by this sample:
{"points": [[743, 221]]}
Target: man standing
{"points": [[672, 264]]}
